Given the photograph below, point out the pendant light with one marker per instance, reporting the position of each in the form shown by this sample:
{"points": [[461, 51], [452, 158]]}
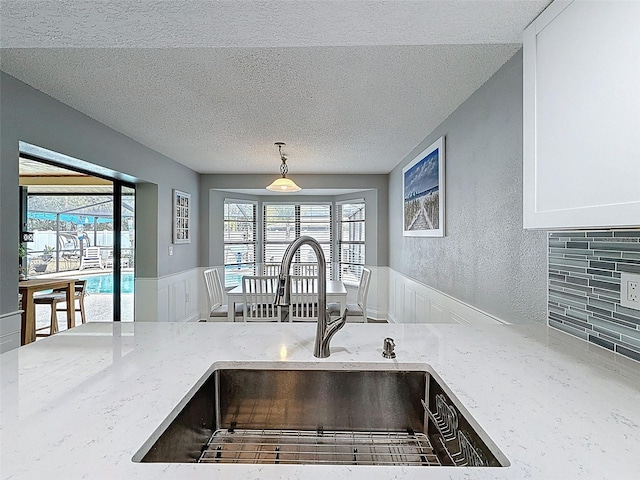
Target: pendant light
{"points": [[283, 184]]}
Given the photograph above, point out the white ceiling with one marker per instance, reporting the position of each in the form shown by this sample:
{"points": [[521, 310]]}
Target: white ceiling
{"points": [[350, 86], [32, 168]]}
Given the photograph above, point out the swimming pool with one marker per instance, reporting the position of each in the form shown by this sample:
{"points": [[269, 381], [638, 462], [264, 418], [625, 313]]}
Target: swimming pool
{"points": [[233, 274], [104, 283]]}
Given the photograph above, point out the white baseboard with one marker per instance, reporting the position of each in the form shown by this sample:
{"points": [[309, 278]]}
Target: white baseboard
{"points": [[391, 318], [413, 302]]}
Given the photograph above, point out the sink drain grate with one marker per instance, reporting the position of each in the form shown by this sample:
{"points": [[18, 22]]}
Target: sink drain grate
{"points": [[309, 447]]}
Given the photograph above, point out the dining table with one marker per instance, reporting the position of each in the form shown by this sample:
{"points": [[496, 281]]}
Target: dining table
{"points": [[336, 293], [27, 288]]}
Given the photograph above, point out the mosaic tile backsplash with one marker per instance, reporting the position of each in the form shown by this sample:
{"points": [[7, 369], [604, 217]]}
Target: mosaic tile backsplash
{"points": [[584, 287]]}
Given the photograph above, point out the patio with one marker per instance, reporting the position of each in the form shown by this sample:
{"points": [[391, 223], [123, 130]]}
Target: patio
{"points": [[64, 228], [98, 303], [98, 306]]}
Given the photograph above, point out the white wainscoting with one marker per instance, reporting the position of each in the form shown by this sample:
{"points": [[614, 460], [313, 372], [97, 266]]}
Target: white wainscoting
{"points": [[172, 298], [413, 302], [10, 326], [393, 296]]}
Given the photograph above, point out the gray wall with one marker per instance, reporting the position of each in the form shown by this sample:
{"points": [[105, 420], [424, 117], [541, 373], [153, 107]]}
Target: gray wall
{"points": [[486, 258], [374, 191], [28, 115]]}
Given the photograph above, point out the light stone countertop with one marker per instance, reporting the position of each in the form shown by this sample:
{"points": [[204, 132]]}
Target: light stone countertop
{"points": [[82, 403]]}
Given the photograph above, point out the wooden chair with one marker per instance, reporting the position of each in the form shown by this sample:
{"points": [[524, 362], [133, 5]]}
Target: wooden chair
{"points": [[215, 293], [57, 297], [91, 258], [259, 293], [358, 309], [304, 299]]}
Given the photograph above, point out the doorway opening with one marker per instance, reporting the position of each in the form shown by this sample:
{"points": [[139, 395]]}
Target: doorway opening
{"points": [[76, 224]]}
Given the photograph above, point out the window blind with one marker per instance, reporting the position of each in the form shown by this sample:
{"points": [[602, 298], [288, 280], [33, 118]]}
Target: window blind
{"points": [[239, 240], [351, 240], [284, 222]]}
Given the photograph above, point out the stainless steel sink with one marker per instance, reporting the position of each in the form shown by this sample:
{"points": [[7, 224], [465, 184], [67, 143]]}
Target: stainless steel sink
{"points": [[373, 416]]}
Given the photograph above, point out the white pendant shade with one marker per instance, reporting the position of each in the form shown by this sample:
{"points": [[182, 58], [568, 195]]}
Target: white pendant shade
{"points": [[284, 184]]}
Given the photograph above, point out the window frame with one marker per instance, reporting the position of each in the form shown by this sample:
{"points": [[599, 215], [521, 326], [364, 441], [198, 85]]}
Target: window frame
{"points": [[255, 241], [341, 242]]}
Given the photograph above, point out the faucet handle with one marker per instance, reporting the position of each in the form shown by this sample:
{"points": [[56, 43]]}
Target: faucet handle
{"points": [[282, 298], [387, 348]]}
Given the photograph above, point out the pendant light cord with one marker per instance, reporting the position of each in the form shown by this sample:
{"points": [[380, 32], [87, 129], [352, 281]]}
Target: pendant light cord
{"points": [[283, 168]]}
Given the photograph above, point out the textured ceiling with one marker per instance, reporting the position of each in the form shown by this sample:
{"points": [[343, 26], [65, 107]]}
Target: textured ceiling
{"points": [[350, 86]]}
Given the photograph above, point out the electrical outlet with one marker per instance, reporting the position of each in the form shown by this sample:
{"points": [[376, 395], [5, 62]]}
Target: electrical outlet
{"points": [[630, 290], [170, 251]]}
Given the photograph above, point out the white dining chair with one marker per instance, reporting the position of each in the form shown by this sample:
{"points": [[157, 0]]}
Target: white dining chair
{"points": [[304, 299], [258, 294], [305, 269], [270, 269], [215, 294], [358, 309]]}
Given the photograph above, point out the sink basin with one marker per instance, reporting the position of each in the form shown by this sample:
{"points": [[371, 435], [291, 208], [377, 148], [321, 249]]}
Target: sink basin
{"points": [[263, 413]]}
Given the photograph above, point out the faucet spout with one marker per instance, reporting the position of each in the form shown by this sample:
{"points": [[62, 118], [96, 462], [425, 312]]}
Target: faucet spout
{"points": [[326, 328]]}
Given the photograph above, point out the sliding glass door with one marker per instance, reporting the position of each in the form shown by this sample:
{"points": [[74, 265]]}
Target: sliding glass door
{"points": [[76, 224]]}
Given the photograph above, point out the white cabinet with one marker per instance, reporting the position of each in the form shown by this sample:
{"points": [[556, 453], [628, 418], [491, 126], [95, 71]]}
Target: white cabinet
{"points": [[582, 115]]}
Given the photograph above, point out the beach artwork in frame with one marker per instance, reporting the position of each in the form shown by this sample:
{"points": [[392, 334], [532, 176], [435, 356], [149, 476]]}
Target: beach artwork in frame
{"points": [[423, 193], [181, 221]]}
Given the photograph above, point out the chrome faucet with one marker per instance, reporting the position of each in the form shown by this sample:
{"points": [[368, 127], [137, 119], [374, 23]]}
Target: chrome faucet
{"points": [[326, 328]]}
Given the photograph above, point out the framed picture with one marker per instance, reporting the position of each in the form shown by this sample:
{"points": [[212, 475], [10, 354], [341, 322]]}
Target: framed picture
{"points": [[423, 193], [181, 221]]}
